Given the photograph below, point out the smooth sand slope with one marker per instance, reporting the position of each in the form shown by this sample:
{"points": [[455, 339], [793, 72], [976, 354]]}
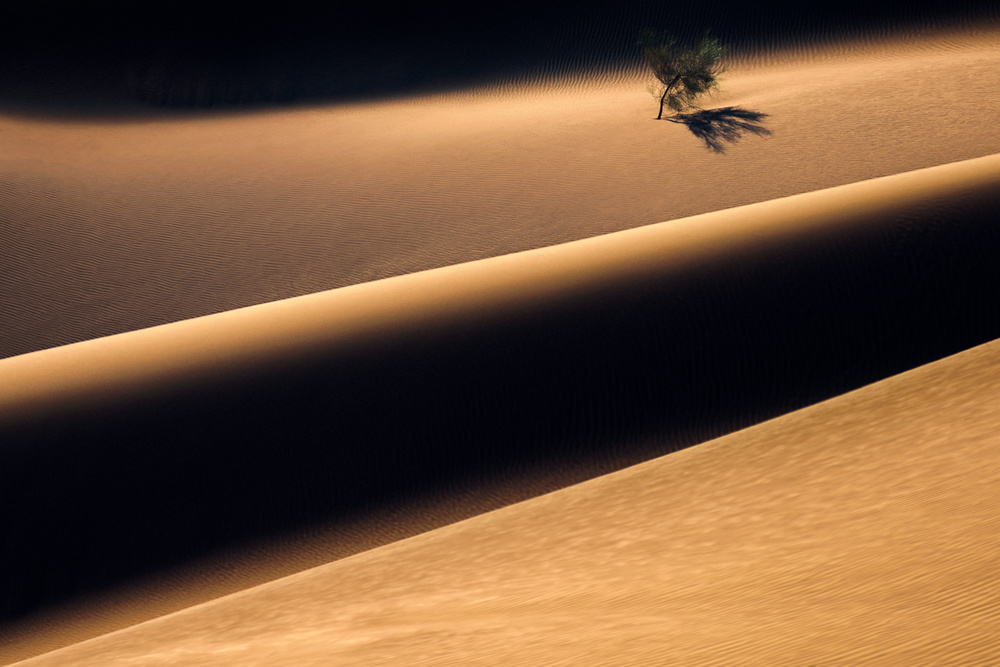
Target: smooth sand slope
{"points": [[114, 225], [862, 530], [508, 376]]}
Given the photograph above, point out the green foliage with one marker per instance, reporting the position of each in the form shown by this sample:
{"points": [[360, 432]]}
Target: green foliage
{"points": [[683, 72]]}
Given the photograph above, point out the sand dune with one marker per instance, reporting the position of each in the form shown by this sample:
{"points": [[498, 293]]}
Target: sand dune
{"points": [[860, 530], [250, 435], [878, 218], [112, 225], [525, 372]]}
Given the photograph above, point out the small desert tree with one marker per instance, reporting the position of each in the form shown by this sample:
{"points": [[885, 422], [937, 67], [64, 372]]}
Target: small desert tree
{"points": [[683, 72]]}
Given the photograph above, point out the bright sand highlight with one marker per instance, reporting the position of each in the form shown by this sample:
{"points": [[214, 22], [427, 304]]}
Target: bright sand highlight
{"points": [[857, 530], [119, 225], [118, 368], [45, 389], [860, 530]]}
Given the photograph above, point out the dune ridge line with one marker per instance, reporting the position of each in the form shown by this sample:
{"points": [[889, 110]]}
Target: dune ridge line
{"points": [[470, 387], [226, 342], [857, 529]]}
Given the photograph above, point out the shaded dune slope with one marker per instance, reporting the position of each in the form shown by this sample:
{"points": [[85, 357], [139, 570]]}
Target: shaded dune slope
{"points": [[862, 530], [63, 57], [130, 453], [113, 225]]}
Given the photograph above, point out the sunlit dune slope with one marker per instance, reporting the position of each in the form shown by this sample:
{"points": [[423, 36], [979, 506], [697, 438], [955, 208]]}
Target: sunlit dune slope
{"points": [[862, 530], [110, 225], [255, 443], [127, 454]]}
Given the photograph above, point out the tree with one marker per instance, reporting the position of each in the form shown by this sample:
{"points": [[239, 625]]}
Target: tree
{"points": [[683, 72]]}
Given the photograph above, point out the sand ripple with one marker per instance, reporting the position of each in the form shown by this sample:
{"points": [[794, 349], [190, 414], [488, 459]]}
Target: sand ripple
{"points": [[111, 227]]}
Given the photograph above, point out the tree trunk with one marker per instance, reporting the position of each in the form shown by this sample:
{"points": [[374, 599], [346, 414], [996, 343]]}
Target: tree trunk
{"points": [[664, 95]]}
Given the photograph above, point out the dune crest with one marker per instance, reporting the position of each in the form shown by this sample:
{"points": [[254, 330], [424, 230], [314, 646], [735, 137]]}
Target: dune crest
{"points": [[271, 334], [236, 346], [117, 224], [862, 529], [153, 448]]}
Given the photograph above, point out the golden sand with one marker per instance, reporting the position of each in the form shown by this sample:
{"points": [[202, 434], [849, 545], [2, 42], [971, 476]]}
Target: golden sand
{"points": [[857, 530], [860, 530], [124, 225]]}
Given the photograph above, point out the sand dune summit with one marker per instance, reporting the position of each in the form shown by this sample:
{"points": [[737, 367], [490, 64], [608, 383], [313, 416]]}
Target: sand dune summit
{"points": [[860, 530], [159, 445], [113, 225]]}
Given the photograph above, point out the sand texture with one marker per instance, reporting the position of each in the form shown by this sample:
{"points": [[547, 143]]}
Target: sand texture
{"points": [[111, 226], [859, 530], [458, 350], [588, 355]]}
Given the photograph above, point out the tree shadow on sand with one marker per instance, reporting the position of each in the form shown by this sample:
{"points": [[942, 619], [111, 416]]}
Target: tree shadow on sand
{"points": [[720, 127]]}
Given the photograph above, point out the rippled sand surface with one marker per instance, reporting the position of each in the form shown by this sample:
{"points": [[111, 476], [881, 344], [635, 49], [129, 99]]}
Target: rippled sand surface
{"points": [[860, 530], [857, 530], [114, 226]]}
